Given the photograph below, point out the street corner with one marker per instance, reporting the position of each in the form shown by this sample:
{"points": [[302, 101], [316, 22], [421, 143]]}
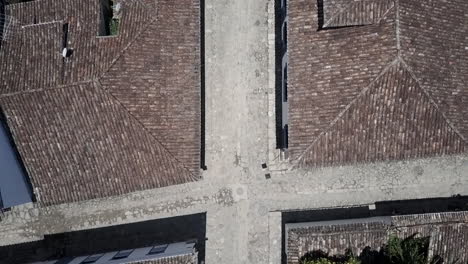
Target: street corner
{"points": [[239, 192]]}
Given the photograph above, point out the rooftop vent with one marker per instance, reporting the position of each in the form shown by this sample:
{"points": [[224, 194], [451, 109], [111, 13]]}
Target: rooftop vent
{"points": [[66, 52]]}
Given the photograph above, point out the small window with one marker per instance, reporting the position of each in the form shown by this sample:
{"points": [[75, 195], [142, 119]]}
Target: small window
{"points": [[285, 83], [122, 254], [158, 249], [92, 259], [285, 136], [285, 33], [64, 260]]}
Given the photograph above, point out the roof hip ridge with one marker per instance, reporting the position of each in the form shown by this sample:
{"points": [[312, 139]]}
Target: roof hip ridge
{"points": [[47, 88], [99, 86], [431, 100], [345, 110]]}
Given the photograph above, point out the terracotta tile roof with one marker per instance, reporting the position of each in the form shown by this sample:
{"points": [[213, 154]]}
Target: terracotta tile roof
{"points": [[157, 87], [341, 13], [386, 80], [434, 44], [184, 259], [335, 239], [121, 114], [92, 55], [448, 232], [448, 235], [371, 129]]}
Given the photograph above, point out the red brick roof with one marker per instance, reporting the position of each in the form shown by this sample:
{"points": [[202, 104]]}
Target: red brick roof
{"points": [[121, 114], [375, 80]]}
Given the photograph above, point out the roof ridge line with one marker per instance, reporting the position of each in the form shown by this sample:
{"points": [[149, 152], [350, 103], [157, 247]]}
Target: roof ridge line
{"points": [[177, 161], [431, 100], [434, 223], [346, 109], [121, 53], [387, 228], [42, 23], [397, 26], [56, 87]]}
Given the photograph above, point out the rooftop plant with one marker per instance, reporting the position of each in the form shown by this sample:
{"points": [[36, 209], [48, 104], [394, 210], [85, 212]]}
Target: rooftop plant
{"points": [[409, 250]]}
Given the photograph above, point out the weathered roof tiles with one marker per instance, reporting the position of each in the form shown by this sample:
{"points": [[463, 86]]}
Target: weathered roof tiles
{"points": [[378, 80], [442, 228], [121, 114]]}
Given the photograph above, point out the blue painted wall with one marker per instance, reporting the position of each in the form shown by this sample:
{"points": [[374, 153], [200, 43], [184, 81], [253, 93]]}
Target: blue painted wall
{"points": [[14, 187]]}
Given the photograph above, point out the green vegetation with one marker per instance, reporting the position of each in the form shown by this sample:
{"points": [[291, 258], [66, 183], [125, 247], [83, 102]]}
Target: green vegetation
{"points": [[114, 18], [114, 26], [410, 250], [351, 260], [110, 17], [320, 257]]}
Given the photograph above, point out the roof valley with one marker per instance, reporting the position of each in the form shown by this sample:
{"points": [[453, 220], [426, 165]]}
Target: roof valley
{"points": [[429, 97]]}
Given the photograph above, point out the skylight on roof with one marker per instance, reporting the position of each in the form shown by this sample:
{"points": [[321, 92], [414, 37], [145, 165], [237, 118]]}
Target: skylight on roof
{"points": [[158, 249], [122, 254], [92, 259]]}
